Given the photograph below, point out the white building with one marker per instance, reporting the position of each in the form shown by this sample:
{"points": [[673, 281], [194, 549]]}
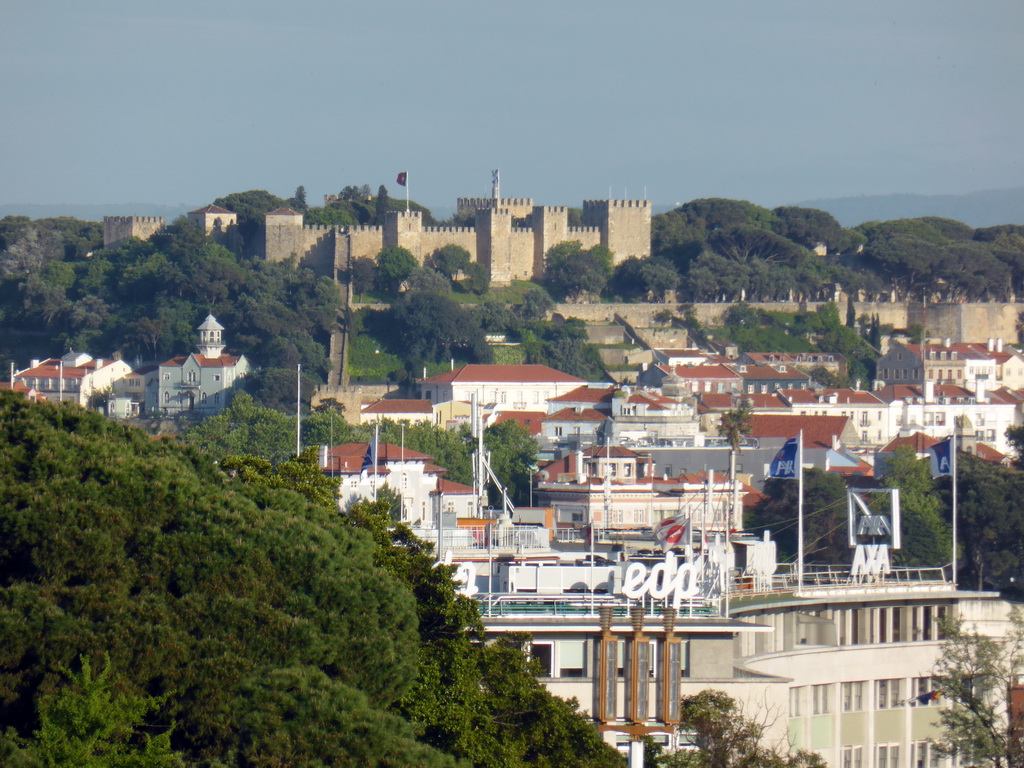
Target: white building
{"points": [[425, 493], [75, 377], [200, 382], [500, 387]]}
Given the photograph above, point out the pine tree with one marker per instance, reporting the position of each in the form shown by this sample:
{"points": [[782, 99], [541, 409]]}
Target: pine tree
{"points": [[383, 204]]}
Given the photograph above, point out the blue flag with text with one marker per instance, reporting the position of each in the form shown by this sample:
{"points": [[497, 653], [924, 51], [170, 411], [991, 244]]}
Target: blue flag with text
{"points": [[941, 455], [784, 466]]}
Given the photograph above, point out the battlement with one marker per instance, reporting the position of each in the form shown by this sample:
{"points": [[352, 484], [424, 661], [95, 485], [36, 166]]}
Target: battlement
{"points": [[584, 230], [117, 229], [449, 230], [406, 214], [616, 203], [553, 208], [135, 220], [363, 228], [321, 228], [471, 203]]}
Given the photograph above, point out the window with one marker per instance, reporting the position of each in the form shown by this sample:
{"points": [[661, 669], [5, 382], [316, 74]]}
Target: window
{"points": [[558, 431], [542, 653], [216, 377], [853, 696], [571, 658], [888, 693], [821, 698], [167, 377], [852, 757], [216, 397], [888, 756], [202, 397], [167, 397], [795, 695], [190, 377]]}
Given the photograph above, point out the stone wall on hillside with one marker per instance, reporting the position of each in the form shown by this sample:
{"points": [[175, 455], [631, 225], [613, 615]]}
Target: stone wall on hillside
{"points": [[975, 322]]}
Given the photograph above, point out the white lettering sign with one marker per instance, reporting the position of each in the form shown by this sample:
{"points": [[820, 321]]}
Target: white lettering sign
{"points": [[664, 579], [870, 560], [466, 577]]}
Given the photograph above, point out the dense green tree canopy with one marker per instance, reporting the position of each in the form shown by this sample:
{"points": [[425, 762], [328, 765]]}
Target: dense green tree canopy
{"points": [[574, 271], [825, 534], [394, 266], [114, 543]]}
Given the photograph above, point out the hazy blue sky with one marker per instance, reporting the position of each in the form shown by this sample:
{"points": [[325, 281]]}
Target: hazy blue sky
{"points": [[180, 102]]}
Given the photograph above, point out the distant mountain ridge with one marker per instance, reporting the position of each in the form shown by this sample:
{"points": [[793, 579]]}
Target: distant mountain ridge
{"points": [[95, 212], [987, 208]]}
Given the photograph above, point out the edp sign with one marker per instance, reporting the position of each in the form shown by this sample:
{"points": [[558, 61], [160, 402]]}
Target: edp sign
{"points": [[667, 579]]}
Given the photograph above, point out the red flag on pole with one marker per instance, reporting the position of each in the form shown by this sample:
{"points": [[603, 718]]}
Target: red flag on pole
{"points": [[401, 178]]}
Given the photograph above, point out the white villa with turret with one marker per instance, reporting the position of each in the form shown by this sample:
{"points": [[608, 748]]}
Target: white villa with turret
{"points": [[201, 382]]}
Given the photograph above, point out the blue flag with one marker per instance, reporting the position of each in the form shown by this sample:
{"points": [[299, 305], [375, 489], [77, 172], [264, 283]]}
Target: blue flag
{"points": [[370, 458], [785, 466], [941, 455]]}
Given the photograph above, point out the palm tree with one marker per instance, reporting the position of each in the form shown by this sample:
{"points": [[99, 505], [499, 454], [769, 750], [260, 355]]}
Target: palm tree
{"points": [[733, 426]]}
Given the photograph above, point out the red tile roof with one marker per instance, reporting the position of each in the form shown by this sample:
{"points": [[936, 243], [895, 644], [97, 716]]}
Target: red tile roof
{"points": [[988, 453], [769, 372], [586, 395], [843, 396], [529, 420], [727, 401], [283, 211], [571, 414], [224, 361], [211, 209], [348, 457], [51, 369], [919, 442], [448, 487], [610, 452], [519, 374], [819, 431], [400, 406]]}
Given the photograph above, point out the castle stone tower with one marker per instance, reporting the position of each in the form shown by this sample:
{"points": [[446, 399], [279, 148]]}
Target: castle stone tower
{"points": [[284, 235], [625, 226], [493, 243], [218, 223], [404, 229], [117, 229], [550, 227]]}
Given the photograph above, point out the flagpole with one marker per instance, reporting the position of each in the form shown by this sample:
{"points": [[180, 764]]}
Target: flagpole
{"points": [[376, 458], [298, 410], [800, 513], [406, 191], [952, 458]]}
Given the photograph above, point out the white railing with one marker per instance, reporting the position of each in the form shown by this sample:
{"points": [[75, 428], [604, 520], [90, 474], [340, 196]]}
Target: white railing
{"points": [[502, 538]]}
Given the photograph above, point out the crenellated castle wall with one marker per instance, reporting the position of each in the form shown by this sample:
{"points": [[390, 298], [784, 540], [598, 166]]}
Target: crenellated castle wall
{"points": [[510, 252], [521, 207], [117, 229]]}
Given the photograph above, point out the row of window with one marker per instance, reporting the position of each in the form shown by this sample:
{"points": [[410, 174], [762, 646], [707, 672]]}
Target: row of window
{"points": [[570, 658], [896, 624], [891, 693], [923, 754]]}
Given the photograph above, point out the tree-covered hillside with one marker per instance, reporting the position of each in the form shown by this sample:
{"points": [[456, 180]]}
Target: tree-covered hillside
{"points": [[60, 290], [731, 249], [256, 624]]}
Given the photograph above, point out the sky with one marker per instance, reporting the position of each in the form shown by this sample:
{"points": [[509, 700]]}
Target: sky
{"points": [[113, 101]]}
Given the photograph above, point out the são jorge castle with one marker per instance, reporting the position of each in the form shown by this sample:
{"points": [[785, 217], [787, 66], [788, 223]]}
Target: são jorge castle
{"points": [[499, 238]]}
